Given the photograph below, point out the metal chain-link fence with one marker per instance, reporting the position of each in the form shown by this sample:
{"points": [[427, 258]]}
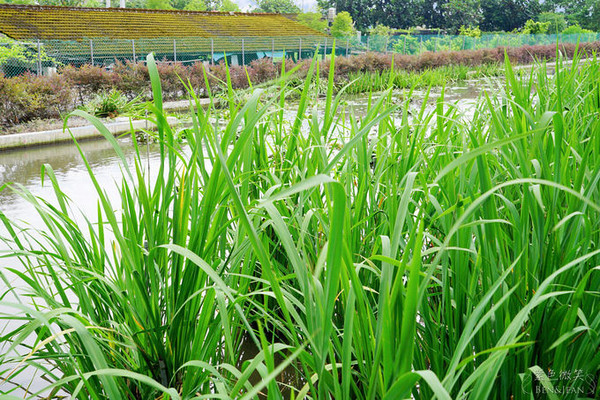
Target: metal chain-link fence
{"points": [[45, 57]]}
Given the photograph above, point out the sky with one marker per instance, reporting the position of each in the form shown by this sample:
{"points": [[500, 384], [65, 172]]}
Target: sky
{"points": [[306, 5]]}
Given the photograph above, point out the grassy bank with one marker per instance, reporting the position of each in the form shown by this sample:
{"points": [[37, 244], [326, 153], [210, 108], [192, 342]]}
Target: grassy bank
{"points": [[406, 253]]}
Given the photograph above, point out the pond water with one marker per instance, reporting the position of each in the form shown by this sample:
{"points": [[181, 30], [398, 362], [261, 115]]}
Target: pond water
{"points": [[23, 167]]}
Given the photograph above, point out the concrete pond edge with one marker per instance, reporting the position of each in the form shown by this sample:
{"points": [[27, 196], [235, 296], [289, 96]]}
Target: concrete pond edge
{"points": [[120, 126]]}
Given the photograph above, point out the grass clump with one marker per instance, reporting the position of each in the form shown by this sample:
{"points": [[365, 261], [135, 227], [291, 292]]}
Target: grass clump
{"points": [[409, 253], [401, 79], [112, 104]]}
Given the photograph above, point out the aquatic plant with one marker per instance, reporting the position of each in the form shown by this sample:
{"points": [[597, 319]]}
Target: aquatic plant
{"points": [[406, 253], [112, 104], [401, 79]]}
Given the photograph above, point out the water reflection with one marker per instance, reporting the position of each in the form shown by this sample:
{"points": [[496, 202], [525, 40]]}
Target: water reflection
{"points": [[24, 167]]}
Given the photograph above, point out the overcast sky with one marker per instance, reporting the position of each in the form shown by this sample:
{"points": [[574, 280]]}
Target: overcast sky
{"points": [[309, 5]]}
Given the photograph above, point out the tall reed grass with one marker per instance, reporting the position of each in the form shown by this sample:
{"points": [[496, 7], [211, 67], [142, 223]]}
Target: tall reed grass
{"points": [[404, 254], [365, 82]]}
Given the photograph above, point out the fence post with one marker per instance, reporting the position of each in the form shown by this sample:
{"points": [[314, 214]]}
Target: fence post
{"points": [[420, 44], [325, 50], [300, 49], [347, 44], [39, 58], [175, 50], [92, 51], [133, 50], [463, 44], [404, 51], [435, 44], [368, 39], [212, 51], [273, 49], [243, 53]]}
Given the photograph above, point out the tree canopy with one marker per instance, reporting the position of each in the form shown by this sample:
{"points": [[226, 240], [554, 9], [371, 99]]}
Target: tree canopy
{"points": [[278, 6], [342, 25], [450, 15], [313, 20]]}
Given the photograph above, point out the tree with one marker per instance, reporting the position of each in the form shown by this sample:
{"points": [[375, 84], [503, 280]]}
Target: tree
{"points": [[459, 13], [343, 25], [394, 13], [195, 5], [278, 6], [432, 13], [558, 23], [359, 10], [379, 37], [158, 5], [507, 15], [473, 32], [313, 20], [218, 5], [575, 29], [583, 12], [533, 28], [229, 6]]}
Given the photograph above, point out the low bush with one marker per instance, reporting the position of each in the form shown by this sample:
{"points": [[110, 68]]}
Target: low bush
{"points": [[29, 97], [133, 79], [89, 79]]}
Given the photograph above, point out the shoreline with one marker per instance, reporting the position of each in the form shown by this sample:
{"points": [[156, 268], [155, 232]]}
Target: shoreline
{"points": [[120, 126], [123, 125]]}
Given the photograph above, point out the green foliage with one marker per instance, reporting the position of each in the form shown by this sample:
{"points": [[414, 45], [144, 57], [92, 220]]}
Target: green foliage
{"points": [[469, 31], [111, 104], [458, 13], [586, 13], [412, 251], [574, 29], [30, 97], [229, 6], [278, 6], [13, 50], [533, 28], [557, 21], [195, 5], [490, 15], [507, 15], [342, 25], [23, 54], [366, 82], [381, 30], [313, 20], [379, 38], [158, 5]]}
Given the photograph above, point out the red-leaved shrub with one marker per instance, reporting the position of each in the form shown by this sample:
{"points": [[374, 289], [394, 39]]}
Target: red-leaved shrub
{"points": [[29, 97]]}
